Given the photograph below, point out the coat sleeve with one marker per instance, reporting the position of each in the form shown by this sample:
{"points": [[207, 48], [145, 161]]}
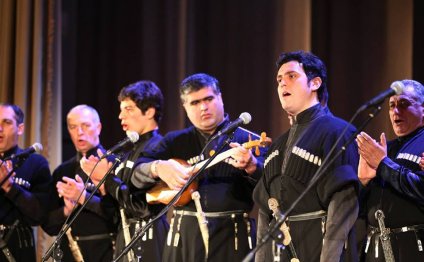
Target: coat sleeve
{"points": [[32, 203], [341, 216], [128, 197], [402, 179]]}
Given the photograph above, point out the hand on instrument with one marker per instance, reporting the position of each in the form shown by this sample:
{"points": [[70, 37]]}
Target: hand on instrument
{"points": [[171, 172], [242, 158]]}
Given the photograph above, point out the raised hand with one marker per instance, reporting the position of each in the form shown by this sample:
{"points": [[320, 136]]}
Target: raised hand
{"points": [[69, 206], [72, 188], [365, 172], [371, 150], [5, 169], [88, 165]]}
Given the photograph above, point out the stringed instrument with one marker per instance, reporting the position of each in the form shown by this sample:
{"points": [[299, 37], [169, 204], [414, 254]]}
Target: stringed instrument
{"points": [[161, 193]]}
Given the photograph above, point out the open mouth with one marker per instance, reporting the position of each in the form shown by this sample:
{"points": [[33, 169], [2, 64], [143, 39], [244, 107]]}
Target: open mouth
{"points": [[286, 94]]}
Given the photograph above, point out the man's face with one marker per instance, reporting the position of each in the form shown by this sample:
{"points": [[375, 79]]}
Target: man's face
{"points": [[205, 109], [10, 130], [132, 119], [83, 129], [294, 91], [406, 114]]}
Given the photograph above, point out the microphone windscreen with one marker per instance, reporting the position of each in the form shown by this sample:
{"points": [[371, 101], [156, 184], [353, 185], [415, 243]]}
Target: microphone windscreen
{"points": [[398, 86], [246, 117], [133, 136], [37, 147]]}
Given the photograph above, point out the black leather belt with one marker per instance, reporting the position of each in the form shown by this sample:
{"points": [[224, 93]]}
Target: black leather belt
{"points": [[401, 229], [135, 220], [211, 214], [307, 216]]}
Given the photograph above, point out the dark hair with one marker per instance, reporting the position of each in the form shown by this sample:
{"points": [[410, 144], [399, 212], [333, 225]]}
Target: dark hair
{"points": [[19, 115], [313, 67], [198, 81], [145, 94]]}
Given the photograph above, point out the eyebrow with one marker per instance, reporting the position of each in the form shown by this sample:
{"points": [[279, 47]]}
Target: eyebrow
{"points": [[288, 73], [201, 99], [9, 119], [407, 98]]}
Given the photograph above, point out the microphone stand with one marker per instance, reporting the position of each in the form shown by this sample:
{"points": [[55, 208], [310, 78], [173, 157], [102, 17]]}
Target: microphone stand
{"points": [[318, 174], [140, 232], [56, 244]]}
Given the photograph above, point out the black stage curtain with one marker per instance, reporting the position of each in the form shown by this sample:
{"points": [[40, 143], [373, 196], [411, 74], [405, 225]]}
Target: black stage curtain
{"points": [[108, 44]]}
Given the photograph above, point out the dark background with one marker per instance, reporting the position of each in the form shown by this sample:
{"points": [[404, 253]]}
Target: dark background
{"points": [[107, 45]]}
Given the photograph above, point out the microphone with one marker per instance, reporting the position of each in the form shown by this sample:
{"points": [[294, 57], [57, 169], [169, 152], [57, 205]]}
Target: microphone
{"points": [[396, 88], [36, 147], [244, 119], [132, 137]]}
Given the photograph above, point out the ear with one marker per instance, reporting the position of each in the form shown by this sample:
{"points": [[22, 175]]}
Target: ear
{"points": [[21, 128], [99, 128], [150, 113], [422, 112], [315, 83], [220, 98]]}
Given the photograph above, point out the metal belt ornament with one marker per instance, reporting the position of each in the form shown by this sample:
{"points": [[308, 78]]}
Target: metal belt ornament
{"points": [[384, 237]]}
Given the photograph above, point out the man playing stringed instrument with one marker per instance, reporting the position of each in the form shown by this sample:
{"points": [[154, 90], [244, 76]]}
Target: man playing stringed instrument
{"points": [[225, 188]]}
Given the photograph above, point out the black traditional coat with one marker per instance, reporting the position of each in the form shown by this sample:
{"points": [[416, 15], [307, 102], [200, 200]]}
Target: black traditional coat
{"points": [[222, 188], [26, 203], [398, 190], [133, 201], [94, 219], [291, 162]]}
